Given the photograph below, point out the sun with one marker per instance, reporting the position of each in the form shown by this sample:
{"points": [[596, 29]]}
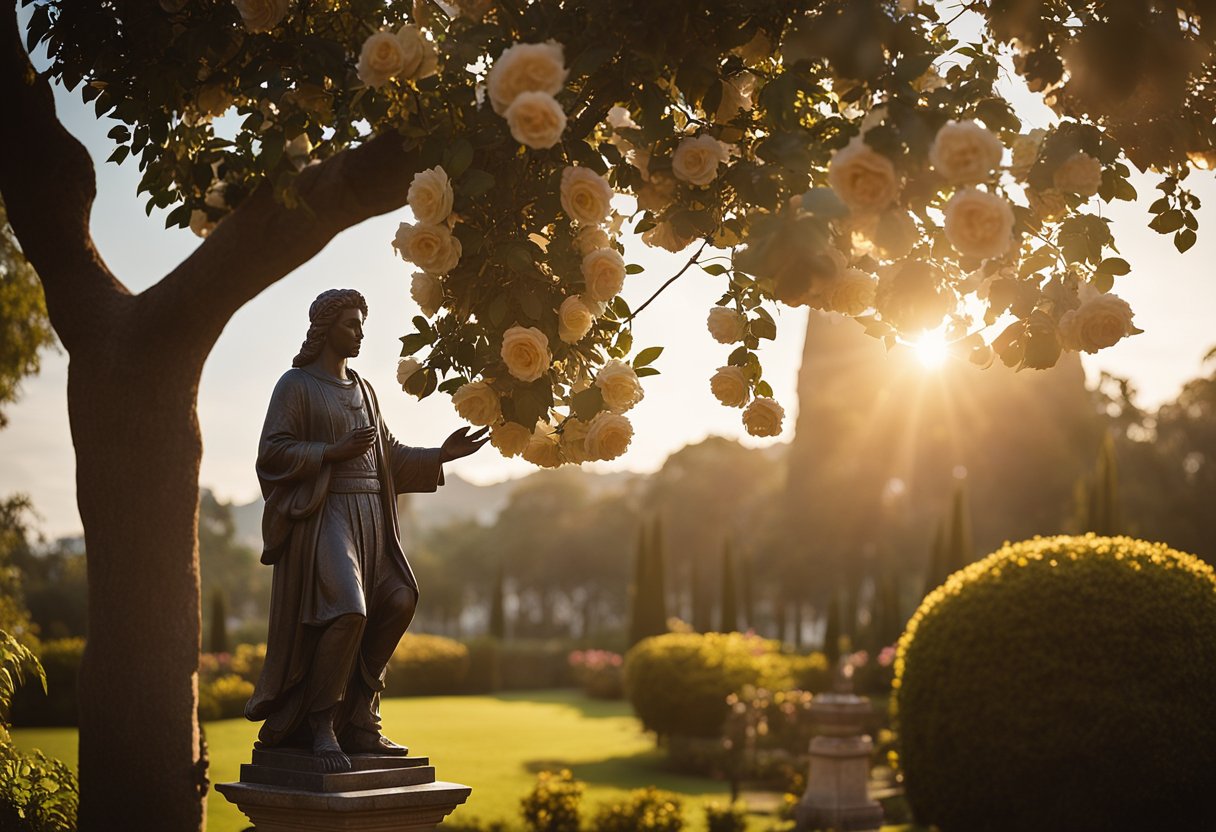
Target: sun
{"points": [[931, 349]]}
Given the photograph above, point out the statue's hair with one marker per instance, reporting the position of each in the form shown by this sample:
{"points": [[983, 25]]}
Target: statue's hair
{"points": [[321, 316]]}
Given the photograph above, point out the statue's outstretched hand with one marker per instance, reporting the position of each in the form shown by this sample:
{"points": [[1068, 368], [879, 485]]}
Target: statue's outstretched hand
{"points": [[352, 445], [462, 443]]}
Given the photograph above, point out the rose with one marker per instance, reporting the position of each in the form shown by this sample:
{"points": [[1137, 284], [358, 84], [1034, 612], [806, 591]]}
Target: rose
{"points": [[763, 417], [536, 120], [1025, 152], [852, 292], [574, 320], [979, 224], [1079, 174], [525, 351], [965, 152], [430, 195], [1097, 324], [696, 160], [430, 247], [298, 150], [729, 386], [574, 440], [665, 236], [620, 118], [619, 385], [526, 67], [381, 58], [406, 367], [542, 448], [608, 436], [261, 15], [726, 325], [1048, 204], [510, 438], [213, 100], [863, 178], [477, 403], [216, 195], [421, 58], [590, 238], [200, 223], [603, 274], [427, 292], [586, 196]]}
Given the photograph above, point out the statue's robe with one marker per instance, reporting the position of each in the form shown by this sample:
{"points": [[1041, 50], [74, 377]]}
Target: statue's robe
{"points": [[329, 529]]}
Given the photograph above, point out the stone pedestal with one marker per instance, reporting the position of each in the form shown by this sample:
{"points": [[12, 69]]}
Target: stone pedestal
{"points": [[837, 795], [284, 791]]}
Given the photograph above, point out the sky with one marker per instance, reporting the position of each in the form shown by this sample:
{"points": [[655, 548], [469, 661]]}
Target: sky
{"points": [[1174, 298]]}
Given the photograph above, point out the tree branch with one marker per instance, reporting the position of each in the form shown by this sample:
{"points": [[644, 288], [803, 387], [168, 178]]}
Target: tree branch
{"points": [[670, 280], [48, 184]]}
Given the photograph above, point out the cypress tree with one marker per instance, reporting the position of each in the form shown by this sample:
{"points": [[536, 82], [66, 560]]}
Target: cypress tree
{"points": [[747, 602], [219, 623], [797, 625], [730, 609], [936, 573], [1102, 514], [782, 615], [961, 550], [892, 618], [637, 587], [654, 591], [702, 613], [831, 633], [498, 606]]}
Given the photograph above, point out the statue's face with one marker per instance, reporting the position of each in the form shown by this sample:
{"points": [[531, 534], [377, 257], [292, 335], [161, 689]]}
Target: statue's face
{"points": [[346, 334]]}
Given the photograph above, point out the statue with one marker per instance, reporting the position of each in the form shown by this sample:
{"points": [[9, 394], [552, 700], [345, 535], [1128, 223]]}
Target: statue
{"points": [[343, 592]]}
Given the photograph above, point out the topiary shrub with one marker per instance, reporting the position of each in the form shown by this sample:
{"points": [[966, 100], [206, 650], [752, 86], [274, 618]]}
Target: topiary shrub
{"points": [[646, 810], [725, 817], [678, 682], [424, 665], [553, 803], [223, 697], [1066, 683]]}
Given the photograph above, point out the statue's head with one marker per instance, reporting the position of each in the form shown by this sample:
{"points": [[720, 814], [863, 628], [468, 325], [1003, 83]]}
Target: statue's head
{"points": [[322, 315]]}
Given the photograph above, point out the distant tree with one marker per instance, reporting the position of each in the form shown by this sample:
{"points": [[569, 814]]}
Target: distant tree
{"points": [[498, 606], [747, 601], [654, 608], [833, 632], [219, 623], [937, 569], [24, 327], [702, 608], [638, 588], [230, 567], [1102, 512], [730, 601], [15, 545], [960, 550]]}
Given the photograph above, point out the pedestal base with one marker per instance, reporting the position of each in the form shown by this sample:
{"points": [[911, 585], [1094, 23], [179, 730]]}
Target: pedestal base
{"points": [[283, 791], [836, 791]]}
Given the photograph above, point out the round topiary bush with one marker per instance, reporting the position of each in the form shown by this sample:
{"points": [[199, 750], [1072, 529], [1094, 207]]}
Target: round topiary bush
{"points": [[1066, 683]]}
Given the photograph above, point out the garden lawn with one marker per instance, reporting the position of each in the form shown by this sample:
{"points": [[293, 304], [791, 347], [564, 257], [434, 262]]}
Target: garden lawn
{"points": [[495, 744]]}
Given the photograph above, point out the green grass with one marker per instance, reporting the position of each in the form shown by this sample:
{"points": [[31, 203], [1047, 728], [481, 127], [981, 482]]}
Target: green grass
{"points": [[495, 744]]}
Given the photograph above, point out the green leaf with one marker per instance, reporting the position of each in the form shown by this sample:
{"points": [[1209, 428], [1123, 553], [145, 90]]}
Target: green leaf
{"points": [[453, 384], [413, 342], [1162, 204], [714, 268], [1168, 221], [587, 403], [119, 154], [738, 358], [476, 182], [633, 268], [762, 328], [647, 371], [1114, 266], [624, 341], [458, 158], [1184, 239], [647, 356], [763, 389]]}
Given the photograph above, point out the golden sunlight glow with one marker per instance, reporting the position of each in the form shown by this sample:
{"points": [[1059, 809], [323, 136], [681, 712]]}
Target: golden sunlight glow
{"points": [[931, 349]]}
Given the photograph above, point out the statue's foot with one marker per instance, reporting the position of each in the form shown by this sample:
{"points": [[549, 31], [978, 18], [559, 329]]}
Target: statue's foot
{"points": [[360, 741], [325, 748]]}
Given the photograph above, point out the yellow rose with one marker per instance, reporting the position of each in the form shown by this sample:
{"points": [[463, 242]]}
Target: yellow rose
{"points": [[536, 120], [1097, 323], [574, 320], [852, 292], [427, 292], [979, 224], [1079, 174], [696, 160], [863, 178], [525, 351], [608, 436], [510, 438], [965, 152], [542, 448], [619, 385], [430, 247], [729, 386], [261, 15], [586, 196], [726, 325], [526, 67], [763, 417], [430, 195], [477, 403], [603, 274]]}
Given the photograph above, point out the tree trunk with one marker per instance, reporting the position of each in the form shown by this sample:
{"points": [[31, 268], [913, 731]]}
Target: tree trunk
{"points": [[138, 448]]}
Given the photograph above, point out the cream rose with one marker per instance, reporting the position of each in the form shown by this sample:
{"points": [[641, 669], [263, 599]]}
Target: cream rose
{"points": [[421, 57], [298, 150], [1079, 174], [431, 248], [574, 440], [863, 178], [729, 386], [261, 15], [1097, 323], [431, 196], [427, 292], [619, 385], [726, 325], [591, 238], [852, 292], [965, 152], [586, 196], [381, 59], [200, 223], [542, 448], [526, 67], [536, 120], [406, 367], [510, 438], [574, 320], [477, 403], [664, 236], [608, 436], [603, 274], [696, 160], [763, 417], [1048, 204], [525, 351], [1025, 152], [979, 224]]}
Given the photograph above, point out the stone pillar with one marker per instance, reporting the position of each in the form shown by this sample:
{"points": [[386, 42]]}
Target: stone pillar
{"points": [[837, 788], [283, 790]]}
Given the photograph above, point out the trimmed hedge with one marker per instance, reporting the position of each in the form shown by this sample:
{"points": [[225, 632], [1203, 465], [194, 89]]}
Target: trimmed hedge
{"points": [[1066, 683], [56, 706], [424, 665]]}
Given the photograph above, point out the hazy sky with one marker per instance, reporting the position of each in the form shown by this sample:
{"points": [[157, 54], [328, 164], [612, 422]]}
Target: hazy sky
{"points": [[1171, 294]]}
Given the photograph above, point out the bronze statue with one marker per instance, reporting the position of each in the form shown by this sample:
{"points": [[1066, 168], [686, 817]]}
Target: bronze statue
{"points": [[343, 592]]}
